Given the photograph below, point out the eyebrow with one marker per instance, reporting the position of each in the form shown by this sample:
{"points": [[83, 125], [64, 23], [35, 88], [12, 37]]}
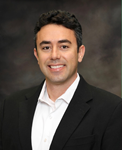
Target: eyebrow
{"points": [[64, 41], [60, 41], [45, 42]]}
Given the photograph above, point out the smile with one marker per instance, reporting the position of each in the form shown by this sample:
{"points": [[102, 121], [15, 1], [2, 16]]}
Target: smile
{"points": [[56, 67]]}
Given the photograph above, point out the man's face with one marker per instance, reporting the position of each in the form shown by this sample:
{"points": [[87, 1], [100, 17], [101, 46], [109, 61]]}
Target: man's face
{"points": [[57, 54]]}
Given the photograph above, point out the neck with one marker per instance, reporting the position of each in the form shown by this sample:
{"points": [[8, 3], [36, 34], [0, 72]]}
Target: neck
{"points": [[56, 90]]}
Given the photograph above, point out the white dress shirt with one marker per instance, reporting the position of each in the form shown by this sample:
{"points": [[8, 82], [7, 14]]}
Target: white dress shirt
{"points": [[48, 115]]}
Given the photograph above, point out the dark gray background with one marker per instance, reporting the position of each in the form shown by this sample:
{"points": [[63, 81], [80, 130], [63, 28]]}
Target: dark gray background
{"points": [[101, 23]]}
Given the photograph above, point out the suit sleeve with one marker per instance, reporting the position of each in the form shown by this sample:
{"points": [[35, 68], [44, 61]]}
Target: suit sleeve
{"points": [[1, 118], [112, 139]]}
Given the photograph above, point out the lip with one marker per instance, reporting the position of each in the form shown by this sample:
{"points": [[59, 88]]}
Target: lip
{"points": [[56, 67]]}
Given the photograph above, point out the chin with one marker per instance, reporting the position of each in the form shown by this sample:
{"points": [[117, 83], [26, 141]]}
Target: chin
{"points": [[57, 80]]}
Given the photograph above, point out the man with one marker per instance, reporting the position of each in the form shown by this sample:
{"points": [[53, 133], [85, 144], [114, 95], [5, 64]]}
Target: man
{"points": [[64, 112]]}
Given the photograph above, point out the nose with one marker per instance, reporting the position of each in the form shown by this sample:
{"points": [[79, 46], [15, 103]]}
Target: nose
{"points": [[55, 54]]}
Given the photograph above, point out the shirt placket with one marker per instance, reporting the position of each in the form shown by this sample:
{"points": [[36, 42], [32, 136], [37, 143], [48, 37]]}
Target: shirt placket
{"points": [[47, 128]]}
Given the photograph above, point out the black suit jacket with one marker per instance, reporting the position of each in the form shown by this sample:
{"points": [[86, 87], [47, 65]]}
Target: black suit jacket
{"points": [[92, 121]]}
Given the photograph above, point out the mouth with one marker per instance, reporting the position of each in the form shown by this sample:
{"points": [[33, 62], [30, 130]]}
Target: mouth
{"points": [[56, 67]]}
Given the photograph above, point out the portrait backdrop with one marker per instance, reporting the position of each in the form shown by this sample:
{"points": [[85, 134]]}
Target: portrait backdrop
{"points": [[101, 25]]}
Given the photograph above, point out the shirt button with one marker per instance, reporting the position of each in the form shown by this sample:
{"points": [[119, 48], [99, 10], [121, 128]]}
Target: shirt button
{"points": [[45, 140]]}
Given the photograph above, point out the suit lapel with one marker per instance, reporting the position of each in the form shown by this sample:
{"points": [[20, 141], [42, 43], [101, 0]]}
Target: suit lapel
{"points": [[73, 115], [26, 112]]}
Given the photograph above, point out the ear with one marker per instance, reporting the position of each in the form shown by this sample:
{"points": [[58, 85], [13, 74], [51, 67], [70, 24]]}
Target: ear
{"points": [[81, 53], [36, 54]]}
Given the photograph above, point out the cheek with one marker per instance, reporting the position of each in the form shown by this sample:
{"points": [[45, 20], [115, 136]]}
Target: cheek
{"points": [[41, 62], [42, 59], [72, 58]]}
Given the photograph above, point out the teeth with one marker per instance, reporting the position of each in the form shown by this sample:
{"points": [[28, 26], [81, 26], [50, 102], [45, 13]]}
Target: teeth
{"points": [[57, 66]]}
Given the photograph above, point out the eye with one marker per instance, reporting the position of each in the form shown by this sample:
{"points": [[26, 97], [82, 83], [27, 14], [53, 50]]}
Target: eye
{"points": [[46, 48], [64, 47]]}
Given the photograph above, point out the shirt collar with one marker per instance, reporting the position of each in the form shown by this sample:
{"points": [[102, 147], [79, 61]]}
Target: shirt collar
{"points": [[41, 96], [67, 96]]}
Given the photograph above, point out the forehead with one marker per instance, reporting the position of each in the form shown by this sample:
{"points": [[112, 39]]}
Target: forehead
{"points": [[53, 32]]}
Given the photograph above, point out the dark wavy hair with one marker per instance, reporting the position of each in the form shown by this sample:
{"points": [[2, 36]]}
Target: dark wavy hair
{"points": [[63, 18]]}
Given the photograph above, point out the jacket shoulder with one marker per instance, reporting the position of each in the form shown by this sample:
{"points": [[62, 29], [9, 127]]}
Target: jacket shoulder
{"points": [[104, 97], [20, 95], [97, 94]]}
